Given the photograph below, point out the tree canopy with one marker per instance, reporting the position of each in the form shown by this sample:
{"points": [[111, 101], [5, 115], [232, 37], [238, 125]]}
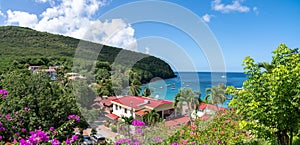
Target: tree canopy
{"points": [[269, 100]]}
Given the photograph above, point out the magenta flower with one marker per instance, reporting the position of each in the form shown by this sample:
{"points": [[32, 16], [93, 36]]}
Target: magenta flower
{"points": [[15, 141], [138, 131], [175, 143], [0, 137], [23, 130], [55, 142], [27, 109], [8, 117], [157, 139], [121, 141], [138, 123], [76, 117], [24, 142], [2, 128], [37, 137], [3, 93], [52, 128], [68, 141], [74, 138]]}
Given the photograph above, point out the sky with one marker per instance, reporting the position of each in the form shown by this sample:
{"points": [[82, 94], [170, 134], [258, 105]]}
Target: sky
{"points": [[191, 35]]}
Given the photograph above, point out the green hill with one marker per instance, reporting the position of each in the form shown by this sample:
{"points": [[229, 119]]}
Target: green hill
{"points": [[20, 46]]}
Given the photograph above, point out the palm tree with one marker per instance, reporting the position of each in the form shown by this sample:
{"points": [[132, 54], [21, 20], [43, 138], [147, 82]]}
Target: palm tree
{"points": [[189, 98], [135, 84], [147, 92], [216, 94], [176, 101], [127, 120], [150, 118], [103, 87]]}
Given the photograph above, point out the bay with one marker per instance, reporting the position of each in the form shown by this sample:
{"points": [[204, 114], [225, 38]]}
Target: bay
{"points": [[197, 81]]}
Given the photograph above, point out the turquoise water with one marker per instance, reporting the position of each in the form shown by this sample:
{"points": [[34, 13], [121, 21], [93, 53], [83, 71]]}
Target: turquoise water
{"points": [[198, 81]]}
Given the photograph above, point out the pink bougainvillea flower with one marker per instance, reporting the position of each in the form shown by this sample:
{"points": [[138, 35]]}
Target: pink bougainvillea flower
{"points": [[138, 123]]}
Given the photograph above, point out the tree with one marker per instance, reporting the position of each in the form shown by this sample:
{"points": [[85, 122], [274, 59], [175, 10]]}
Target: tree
{"points": [[270, 97], [151, 117], [49, 102], [216, 94], [135, 84], [189, 98], [147, 92]]}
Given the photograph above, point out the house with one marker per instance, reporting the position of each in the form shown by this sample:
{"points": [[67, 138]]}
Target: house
{"points": [[104, 103], [74, 76], [137, 106], [33, 68], [206, 110], [108, 104]]}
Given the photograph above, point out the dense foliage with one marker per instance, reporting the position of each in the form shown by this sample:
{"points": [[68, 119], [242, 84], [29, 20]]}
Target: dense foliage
{"points": [[34, 102], [269, 100]]}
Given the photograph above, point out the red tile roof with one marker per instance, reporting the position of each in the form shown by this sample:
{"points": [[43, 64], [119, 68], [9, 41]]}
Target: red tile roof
{"points": [[177, 121], [98, 99], [142, 112], [210, 107], [107, 102], [205, 117], [136, 100], [112, 116]]}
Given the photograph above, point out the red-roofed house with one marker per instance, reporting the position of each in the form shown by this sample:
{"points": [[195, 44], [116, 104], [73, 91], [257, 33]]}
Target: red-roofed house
{"points": [[206, 110], [137, 106], [209, 108]]}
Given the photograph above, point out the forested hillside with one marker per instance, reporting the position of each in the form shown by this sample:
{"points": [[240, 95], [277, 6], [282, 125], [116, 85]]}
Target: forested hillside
{"points": [[23, 46]]}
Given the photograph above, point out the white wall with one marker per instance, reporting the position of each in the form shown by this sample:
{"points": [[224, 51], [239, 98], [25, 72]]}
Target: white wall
{"points": [[121, 112]]}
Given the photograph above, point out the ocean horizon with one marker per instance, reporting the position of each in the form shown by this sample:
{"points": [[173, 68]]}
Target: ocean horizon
{"points": [[166, 89]]}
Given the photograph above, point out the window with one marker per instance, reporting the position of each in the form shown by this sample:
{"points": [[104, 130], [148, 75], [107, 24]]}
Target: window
{"points": [[116, 107], [125, 110]]}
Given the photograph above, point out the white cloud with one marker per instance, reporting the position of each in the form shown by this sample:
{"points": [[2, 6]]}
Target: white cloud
{"points": [[255, 10], [1, 14], [147, 50], [206, 18], [75, 18], [51, 2], [227, 8], [21, 18]]}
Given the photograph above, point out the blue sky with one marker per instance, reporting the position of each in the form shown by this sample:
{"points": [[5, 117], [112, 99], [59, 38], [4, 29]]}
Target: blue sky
{"points": [[240, 27]]}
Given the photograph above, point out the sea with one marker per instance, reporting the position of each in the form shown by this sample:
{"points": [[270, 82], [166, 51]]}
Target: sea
{"points": [[166, 89]]}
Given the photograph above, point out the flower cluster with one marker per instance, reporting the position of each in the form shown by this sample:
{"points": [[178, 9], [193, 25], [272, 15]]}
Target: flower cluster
{"points": [[127, 141], [123, 141], [3, 93], [76, 117], [138, 123], [74, 138], [35, 138], [12, 129]]}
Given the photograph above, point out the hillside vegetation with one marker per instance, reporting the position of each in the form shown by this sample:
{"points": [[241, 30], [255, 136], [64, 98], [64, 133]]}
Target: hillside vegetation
{"points": [[20, 46]]}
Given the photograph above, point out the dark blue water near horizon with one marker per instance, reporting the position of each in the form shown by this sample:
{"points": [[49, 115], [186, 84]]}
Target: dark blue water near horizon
{"points": [[197, 81]]}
